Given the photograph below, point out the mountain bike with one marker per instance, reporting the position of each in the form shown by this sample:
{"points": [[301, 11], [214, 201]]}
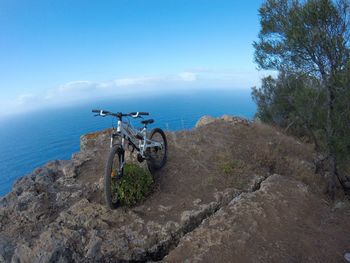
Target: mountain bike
{"points": [[151, 147]]}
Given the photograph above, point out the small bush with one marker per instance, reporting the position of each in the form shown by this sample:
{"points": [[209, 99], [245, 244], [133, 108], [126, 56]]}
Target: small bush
{"points": [[235, 173], [231, 166], [135, 185]]}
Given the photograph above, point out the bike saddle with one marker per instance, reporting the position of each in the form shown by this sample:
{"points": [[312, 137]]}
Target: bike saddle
{"points": [[145, 122]]}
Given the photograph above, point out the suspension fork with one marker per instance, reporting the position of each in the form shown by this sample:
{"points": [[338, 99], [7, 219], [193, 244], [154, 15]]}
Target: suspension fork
{"points": [[143, 141], [122, 160], [122, 155]]}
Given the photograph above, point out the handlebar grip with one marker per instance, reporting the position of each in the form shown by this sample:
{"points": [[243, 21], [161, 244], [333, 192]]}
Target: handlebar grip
{"points": [[101, 112], [139, 113]]}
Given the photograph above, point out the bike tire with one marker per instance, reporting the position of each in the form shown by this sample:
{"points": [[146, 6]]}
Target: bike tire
{"points": [[151, 162], [116, 154]]}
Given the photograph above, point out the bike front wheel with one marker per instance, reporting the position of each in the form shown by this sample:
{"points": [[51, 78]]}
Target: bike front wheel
{"points": [[157, 156], [113, 174]]}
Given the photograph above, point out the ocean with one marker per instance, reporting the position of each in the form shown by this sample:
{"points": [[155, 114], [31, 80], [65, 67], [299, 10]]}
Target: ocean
{"points": [[30, 140]]}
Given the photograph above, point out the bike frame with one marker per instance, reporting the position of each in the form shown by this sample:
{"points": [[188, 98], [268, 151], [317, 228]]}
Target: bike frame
{"points": [[137, 138]]}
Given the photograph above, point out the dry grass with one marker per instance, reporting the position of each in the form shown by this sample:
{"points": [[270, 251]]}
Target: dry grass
{"points": [[244, 151]]}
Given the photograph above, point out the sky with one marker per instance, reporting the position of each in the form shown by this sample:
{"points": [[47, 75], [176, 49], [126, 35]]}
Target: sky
{"points": [[62, 52]]}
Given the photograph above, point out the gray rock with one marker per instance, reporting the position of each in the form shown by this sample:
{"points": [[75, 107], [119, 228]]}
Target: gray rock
{"points": [[163, 208], [197, 201], [235, 120], [6, 249], [227, 118], [22, 254], [93, 248]]}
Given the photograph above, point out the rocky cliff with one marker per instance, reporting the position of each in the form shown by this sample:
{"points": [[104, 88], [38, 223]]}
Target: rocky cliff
{"points": [[232, 191]]}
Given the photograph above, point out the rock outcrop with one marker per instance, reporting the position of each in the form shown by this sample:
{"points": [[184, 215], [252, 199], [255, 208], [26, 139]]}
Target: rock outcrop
{"points": [[231, 191], [281, 222], [228, 118]]}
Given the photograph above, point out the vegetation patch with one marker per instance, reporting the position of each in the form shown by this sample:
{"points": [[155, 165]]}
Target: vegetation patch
{"points": [[235, 173], [135, 185], [307, 43]]}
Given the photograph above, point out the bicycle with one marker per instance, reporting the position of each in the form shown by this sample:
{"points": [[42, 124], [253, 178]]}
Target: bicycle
{"points": [[152, 148]]}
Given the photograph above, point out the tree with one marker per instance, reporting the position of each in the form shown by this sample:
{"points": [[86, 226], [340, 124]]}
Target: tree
{"points": [[292, 102], [311, 38]]}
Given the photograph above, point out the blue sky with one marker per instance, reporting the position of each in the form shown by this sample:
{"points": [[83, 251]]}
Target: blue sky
{"points": [[61, 52]]}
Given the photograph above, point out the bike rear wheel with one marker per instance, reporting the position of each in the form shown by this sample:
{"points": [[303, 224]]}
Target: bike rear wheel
{"points": [[157, 156], [113, 174]]}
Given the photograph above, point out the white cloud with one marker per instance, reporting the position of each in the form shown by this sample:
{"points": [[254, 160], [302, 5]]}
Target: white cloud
{"points": [[125, 82], [72, 88], [79, 85], [83, 90], [188, 76], [20, 103], [25, 98]]}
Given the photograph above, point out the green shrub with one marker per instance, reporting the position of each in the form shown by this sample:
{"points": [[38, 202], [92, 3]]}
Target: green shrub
{"points": [[234, 172], [229, 167], [135, 185]]}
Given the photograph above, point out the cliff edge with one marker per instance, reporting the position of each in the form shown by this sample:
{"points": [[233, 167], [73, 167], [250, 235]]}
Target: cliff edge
{"points": [[231, 191]]}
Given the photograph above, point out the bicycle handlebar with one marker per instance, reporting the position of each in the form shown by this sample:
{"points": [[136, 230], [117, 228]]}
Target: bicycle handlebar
{"points": [[102, 112], [139, 113], [119, 114]]}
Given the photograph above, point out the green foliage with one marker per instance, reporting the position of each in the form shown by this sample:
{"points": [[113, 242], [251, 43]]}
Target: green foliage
{"points": [[310, 37], [234, 171], [293, 102], [342, 118], [308, 43], [135, 184], [228, 167]]}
